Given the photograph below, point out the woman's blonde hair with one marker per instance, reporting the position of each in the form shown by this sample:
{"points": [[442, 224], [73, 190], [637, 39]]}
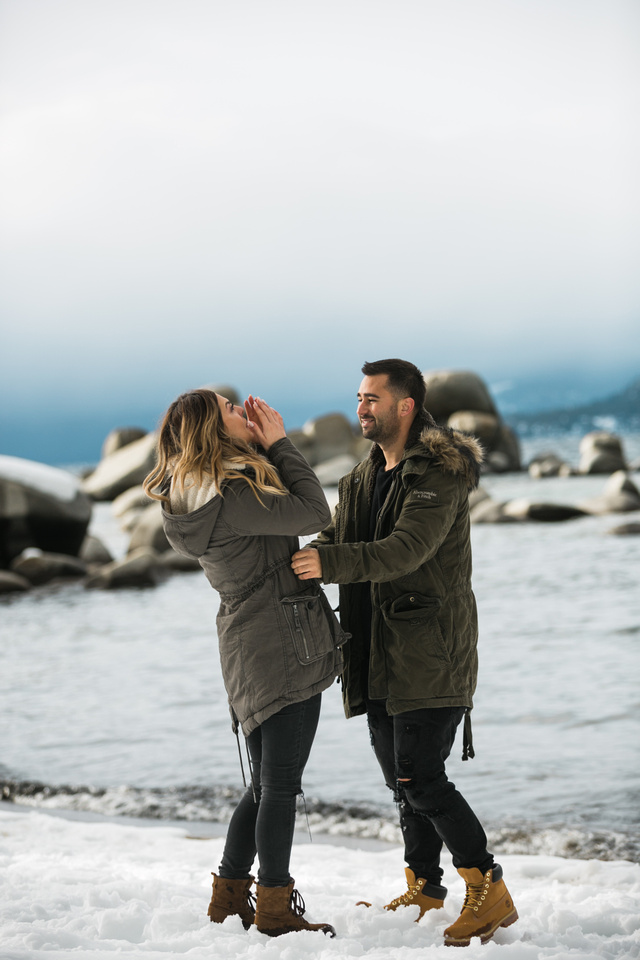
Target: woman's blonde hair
{"points": [[193, 444]]}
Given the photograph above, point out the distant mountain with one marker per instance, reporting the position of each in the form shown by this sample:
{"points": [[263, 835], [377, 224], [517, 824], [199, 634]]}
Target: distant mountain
{"points": [[621, 411]]}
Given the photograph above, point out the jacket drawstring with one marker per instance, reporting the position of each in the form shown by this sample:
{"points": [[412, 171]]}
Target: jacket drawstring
{"points": [[306, 813], [235, 726], [244, 779], [467, 737]]}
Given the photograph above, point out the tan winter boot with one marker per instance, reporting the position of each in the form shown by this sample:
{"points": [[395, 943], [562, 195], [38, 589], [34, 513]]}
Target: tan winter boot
{"points": [[231, 898], [413, 895], [487, 906], [280, 910]]}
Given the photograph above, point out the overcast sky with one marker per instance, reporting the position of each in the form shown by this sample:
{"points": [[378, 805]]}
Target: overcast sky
{"points": [[269, 193]]}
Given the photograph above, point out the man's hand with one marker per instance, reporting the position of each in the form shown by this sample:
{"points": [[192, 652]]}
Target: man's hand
{"points": [[306, 564]]}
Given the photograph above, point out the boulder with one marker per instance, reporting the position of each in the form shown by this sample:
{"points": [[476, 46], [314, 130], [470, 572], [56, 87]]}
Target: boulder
{"points": [[148, 531], [619, 495], [451, 390], [489, 511], [138, 569], [508, 445], [13, 583], [119, 438], [170, 560], [524, 509], [361, 446], [461, 400], [40, 506], [129, 507], [477, 496], [133, 498], [331, 471], [94, 551], [601, 452], [331, 436], [496, 462], [123, 469], [39, 567], [302, 442], [548, 465], [484, 426], [625, 530]]}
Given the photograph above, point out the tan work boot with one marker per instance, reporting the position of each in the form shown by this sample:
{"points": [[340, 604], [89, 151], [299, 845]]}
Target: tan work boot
{"points": [[487, 906], [232, 898], [280, 910], [413, 895]]}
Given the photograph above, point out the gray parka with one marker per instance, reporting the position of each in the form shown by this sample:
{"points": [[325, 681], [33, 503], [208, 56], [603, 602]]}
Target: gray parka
{"points": [[279, 641], [423, 633]]}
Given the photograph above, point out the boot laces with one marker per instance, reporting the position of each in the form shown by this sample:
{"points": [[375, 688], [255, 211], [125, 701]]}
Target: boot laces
{"points": [[411, 893], [297, 903], [476, 893]]}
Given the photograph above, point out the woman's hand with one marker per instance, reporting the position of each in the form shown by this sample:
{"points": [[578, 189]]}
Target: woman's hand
{"points": [[265, 423]]}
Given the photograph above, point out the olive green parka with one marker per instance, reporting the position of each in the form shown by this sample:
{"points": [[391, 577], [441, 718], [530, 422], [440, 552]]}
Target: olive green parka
{"points": [[423, 633]]}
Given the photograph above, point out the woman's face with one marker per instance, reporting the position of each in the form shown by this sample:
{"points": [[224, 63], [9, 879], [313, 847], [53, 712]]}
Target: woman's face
{"points": [[234, 419]]}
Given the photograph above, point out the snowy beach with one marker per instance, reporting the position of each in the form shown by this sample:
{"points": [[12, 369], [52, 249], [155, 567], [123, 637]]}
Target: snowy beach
{"points": [[78, 889]]}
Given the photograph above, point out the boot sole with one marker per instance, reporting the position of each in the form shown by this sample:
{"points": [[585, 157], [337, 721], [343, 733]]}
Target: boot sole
{"points": [[247, 924], [486, 935], [280, 931]]}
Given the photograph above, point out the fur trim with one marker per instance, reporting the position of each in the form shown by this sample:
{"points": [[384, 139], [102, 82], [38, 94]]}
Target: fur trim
{"points": [[456, 452]]}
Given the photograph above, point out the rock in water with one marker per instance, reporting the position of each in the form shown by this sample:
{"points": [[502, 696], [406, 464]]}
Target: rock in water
{"points": [[40, 506], [601, 452], [123, 469], [451, 390]]}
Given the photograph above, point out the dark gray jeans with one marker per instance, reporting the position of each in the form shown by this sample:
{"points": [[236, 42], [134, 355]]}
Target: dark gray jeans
{"points": [[279, 749], [411, 749]]}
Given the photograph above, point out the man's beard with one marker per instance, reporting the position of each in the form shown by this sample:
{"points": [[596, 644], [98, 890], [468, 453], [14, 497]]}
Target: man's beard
{"points": [[384, 430]]}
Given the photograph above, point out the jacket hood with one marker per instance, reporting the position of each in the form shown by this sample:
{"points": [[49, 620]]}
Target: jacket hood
{"points": [[189, 533], [455, 452]]}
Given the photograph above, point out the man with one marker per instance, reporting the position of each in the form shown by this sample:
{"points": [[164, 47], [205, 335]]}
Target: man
{"points": [[399, 546]]}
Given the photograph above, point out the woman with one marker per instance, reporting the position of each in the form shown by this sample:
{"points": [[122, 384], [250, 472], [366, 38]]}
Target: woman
{"points": [[239, 511]]}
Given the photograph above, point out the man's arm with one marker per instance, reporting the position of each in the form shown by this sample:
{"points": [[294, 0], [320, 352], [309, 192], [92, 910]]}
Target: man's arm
{"points": [[426, 517], [306, 562]]}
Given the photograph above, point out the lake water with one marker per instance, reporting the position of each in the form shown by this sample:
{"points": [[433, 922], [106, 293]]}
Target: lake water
{"points": [[112, 701]]}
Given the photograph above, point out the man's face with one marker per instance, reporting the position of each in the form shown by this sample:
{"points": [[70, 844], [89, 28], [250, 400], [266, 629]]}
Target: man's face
{"points": [[378, 410]]}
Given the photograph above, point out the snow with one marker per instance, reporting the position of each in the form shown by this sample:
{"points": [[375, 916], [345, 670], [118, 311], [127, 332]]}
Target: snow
{"points": [[80, 889], [51, 481]]}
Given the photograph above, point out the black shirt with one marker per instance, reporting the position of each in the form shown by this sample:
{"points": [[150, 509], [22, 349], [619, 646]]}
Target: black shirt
{"points": [[384, 479]]}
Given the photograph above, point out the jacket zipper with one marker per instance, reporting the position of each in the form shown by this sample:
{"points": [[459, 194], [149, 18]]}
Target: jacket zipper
{"points": [[299, 628]]}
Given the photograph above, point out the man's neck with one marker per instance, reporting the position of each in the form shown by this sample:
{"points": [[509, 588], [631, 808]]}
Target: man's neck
{"points": [[394, 450]]}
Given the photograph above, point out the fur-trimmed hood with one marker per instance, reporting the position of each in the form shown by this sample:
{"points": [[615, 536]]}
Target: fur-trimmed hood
{"points": [[456, 452]]}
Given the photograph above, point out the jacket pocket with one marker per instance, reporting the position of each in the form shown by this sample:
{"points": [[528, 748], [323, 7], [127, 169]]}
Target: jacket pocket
{"points": [[413, 617], [314, 635]]}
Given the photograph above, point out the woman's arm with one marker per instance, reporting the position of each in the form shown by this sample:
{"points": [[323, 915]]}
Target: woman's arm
{"points": [[302, 511]]}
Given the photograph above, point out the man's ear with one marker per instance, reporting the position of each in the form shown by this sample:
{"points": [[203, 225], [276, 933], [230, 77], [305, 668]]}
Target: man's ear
{"points": [[407, 406]]}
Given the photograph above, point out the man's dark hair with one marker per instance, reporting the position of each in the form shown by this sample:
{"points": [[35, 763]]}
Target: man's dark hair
{"points": [[404, 380]]}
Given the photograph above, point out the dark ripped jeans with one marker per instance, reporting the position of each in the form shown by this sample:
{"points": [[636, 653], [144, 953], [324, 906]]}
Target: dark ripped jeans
{"points": [[411, 749], [279, 749]]}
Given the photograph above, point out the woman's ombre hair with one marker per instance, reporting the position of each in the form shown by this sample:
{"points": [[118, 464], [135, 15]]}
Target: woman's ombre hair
{"points": [[193, 444]]}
